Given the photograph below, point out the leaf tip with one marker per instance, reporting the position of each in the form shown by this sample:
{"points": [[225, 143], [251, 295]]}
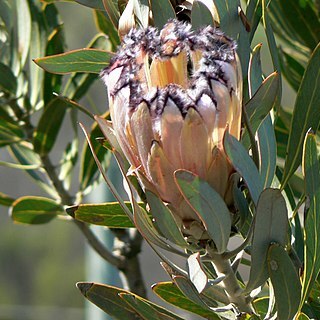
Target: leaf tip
{"points": [[84, 287]]}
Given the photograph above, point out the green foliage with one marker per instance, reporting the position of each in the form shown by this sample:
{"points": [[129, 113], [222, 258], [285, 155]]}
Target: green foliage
{"points": [[38, 100]]}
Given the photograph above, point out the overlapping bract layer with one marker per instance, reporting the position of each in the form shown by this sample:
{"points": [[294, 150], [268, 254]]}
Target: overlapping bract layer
{"points": [[172, 94]]}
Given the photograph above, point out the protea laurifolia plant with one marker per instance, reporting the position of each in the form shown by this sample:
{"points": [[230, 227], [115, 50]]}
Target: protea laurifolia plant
{"points": [[172, 95]]}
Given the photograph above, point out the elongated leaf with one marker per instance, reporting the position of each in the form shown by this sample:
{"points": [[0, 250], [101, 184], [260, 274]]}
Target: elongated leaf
{"points": [[162, 12], [109, 300], [82, 60], [144, 309], [229, 17], [197, 275], [35, 210], [5, 200], [170, 293], [9, 133], [94, 4], [261, 103], [254, 13], [201, 15], [49, 126], [24, 29], [242, 162], [111, 7], [305, 115], [165, 220], [255, 70], [271, 225], [208, 205], [89, 173], [8, 81], [108, 214], [285, 281], [312, 222]]}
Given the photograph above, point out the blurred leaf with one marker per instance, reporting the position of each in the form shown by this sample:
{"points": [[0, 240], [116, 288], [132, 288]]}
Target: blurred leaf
{"points": [[89, 173], [104, 24], [38, 49], [259, 106], [301, 316], [49, 126], [82, 60], [312, 222], [170, 293], [19, 166], [9, 133], [109, 299], [305, 115], [165, 220], [201, 15], [261, 306], [35, 210], [297, 23], [142, 12], [94, 4], [285, 282], [111, 7], [8, 81], [23, 29], [291, 69], [6, 200], [108, 214], [144, 309], [162, 12], [229, 17], [244, 165], [69, 160], [270, 225], [208, 205], [25, 155]]}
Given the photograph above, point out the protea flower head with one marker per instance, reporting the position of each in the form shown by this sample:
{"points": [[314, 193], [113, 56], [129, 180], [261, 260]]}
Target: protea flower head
{"points": [[172, 94]]}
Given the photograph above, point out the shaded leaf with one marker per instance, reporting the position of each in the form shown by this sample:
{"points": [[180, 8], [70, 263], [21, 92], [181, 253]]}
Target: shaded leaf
{"points": [[270, 225], [8, 81], [111, 7], [49, 126], [94, 4], [5, 200], [35, 210], [305, 115], [81, 60], [208, 205], [201, 15], [9, 133], [170, 293], [165, 220], [285, 282], [259, 106], [312, 222], [109, 299], [162, 12], [245, 166]]}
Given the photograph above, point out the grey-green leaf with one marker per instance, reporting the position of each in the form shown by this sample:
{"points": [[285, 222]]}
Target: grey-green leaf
{"points": [[305, 115], [285, 281], [162, 11], [245, 166], [201, 15], [271, 225], [208, 205]]}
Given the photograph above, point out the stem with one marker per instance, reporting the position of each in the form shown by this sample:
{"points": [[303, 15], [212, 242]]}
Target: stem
{"points": [[230, 283], [127, 246]]}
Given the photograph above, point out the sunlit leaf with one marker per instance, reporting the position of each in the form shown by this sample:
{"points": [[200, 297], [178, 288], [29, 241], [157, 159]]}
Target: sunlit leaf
{"points": [[82, 60], [285, 281], [270, 225], [35, 210], [170, 293], [305, 115]]}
